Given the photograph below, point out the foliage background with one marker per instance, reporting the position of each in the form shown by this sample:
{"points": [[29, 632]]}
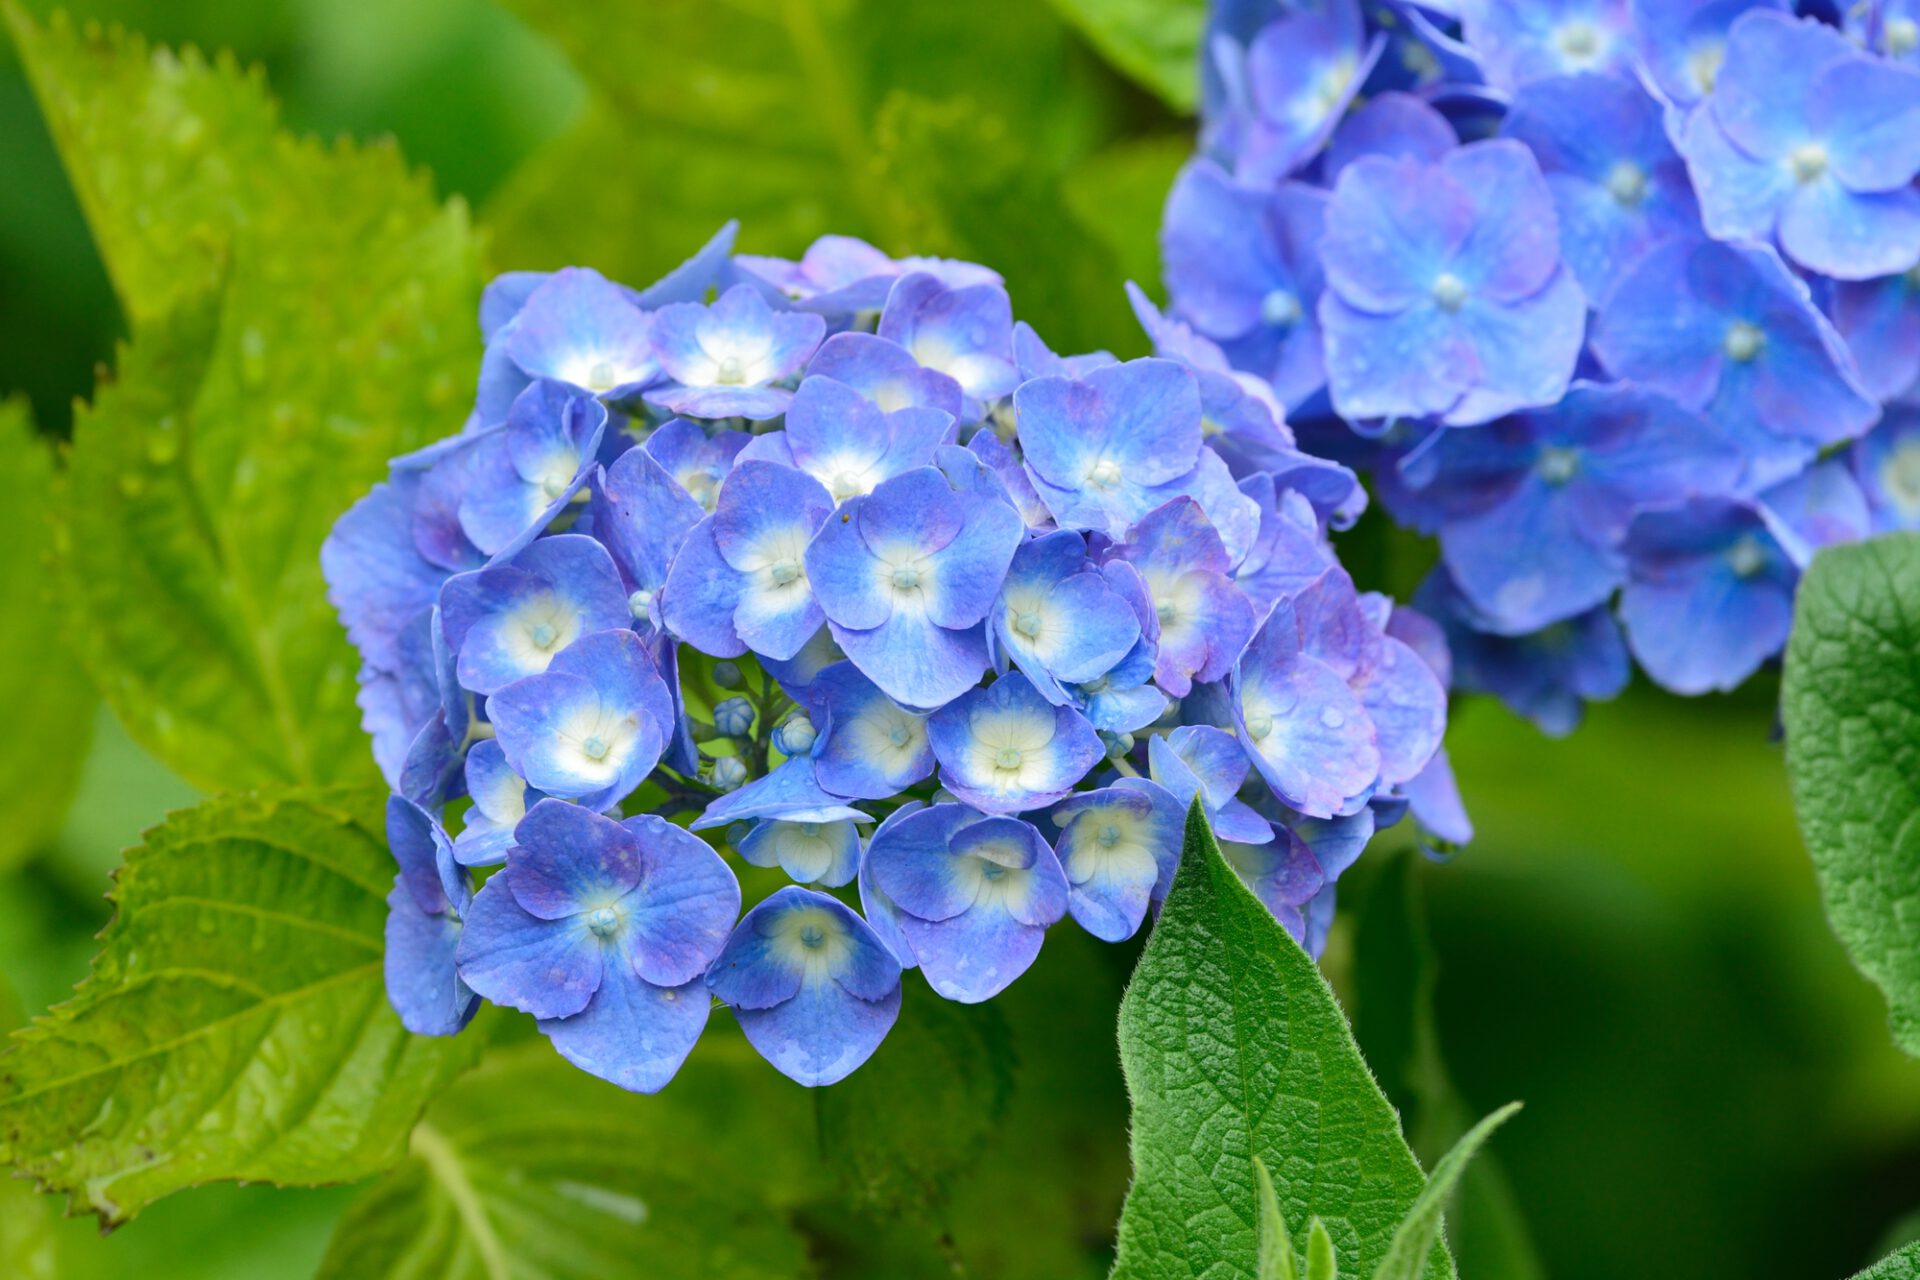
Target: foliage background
{"points": [[1634, 945]]}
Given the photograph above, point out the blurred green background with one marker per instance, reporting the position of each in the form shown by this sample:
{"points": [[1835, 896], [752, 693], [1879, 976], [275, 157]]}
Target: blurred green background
{"points": [[1633, 946]]}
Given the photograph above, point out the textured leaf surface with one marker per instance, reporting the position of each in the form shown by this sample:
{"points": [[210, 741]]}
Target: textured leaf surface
{"points": [[235, 1024], [1233, 1047], [920, 1112], [300, 314], [1420, 1230], [927, 128], [1851, 704], [1157, 42], [529, 1168], [1902, 1264], [41, 686]]}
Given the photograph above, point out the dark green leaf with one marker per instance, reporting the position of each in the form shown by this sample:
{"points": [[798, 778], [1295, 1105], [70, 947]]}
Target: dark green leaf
{"points": [[928, 129], [1157, 42], [1233, 1047], [1851, 704], [235, 1024], [300, 313], [527, 1167], [901, 1128], [1902, 1264], [1419, 1231], [41, 685]]}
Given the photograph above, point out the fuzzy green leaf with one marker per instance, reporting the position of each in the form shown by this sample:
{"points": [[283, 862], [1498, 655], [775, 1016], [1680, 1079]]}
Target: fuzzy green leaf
{"points": [[1275, 1259], [527, 1167], [40, 683], [1322, 1264], [1234, 1047], [300, 314], [1851, 705], [235, 1024], [1157, 42], [1901, 1264], [1419, 1231], [901, 1128], [927, 128]]}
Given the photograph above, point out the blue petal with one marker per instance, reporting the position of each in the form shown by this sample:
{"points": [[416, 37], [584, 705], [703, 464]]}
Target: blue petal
{"points": [[885, 373], [821, 1035], [422, 983], [632, 1033], [700, 595], [909, 862], [642, 515], [914, 661], [681, 913], [976, 735], [578, 328], [568, 860], [810, 852], [858, 754], [549, 968], [789, 792], [592, 726], [1118, 848]]}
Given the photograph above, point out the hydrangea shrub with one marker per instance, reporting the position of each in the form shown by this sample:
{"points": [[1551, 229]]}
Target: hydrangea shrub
{"points": [[834, 560], [1616, 298]]}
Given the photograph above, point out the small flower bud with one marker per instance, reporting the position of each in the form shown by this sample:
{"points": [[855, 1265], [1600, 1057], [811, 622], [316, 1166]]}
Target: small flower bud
{"points": [[729, 773], [734, 717], [795, 735], [1118, 744], [726, 675]]}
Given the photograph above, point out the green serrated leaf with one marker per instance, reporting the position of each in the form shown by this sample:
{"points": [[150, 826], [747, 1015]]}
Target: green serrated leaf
{"points": [[919, 1113], [300, 314], [1851, 705], [235, 1024], [1322, 1263], [1419, 1231], [928, 129], [1234, 1046], [40, 683], [1901, 1264], [1157, 42], [28, 1246], [529, 1168], [1275, 1259]]}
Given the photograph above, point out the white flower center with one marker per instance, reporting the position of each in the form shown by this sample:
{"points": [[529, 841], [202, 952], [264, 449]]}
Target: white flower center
{"points": [[1627, 183], [906, 578], [639, 602], [783, 572], [1259, 726], [603, 921], [1449, 292], [1902, 36], [602, 377], [1746, 557], [1009, 758], [1027, 624], [1280, 309], [1557, 464], [1808, 161], [595, 747], [1104, 474], [1743, 341], [1579, 42]]}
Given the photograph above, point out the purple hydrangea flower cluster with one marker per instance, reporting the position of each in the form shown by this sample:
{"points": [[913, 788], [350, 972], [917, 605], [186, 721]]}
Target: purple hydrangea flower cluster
{"points": [[833, 561], [1620, 299]]}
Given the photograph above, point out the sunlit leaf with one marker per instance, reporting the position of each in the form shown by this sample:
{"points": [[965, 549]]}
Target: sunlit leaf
{"points": [[45, 692], [1157, 42], [235, 1024], [300, 313], [529, 1168]]}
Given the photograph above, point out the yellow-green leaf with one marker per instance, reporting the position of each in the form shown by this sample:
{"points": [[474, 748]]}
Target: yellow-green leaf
{"points": [[235, 1024]]}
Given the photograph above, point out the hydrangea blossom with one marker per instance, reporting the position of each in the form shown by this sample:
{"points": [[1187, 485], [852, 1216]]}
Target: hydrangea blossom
{"points": [[831, 569], [1600, 291]]}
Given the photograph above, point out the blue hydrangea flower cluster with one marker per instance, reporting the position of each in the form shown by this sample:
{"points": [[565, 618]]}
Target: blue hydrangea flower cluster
{"points": [[1620, 299], [835, 562]]}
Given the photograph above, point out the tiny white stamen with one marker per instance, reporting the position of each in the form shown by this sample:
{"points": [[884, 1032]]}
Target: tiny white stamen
{"points": [[1027, 624], [906, 578], [1280, 309], [595, 747], [1104, 474], [1743, 341], [783, 572], [603, 921], [1557, 464], [1746, 557], [1627, 183], [1449, 291], [602, 377], [1259, 726], [1009, 758], [731, 372], [542, 635], [1808, 161]]}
